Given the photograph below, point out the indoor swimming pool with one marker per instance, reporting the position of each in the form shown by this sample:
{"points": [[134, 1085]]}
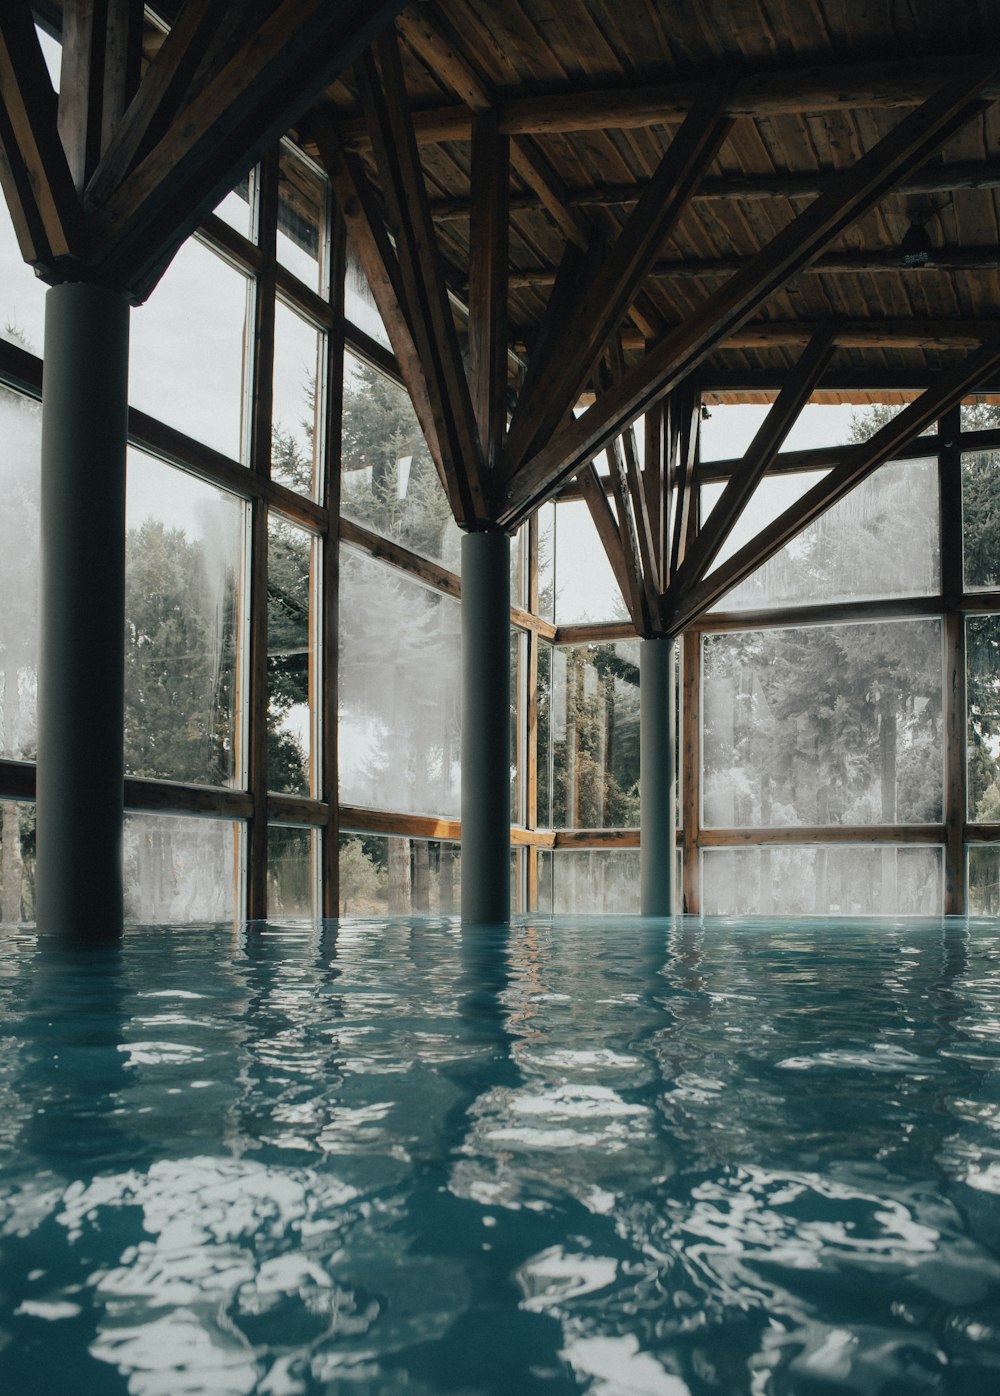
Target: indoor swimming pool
{"points": [[608, 1156]]}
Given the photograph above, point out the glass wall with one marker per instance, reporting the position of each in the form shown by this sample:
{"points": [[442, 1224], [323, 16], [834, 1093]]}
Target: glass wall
{"points": [[834, 880], [395, 875]]}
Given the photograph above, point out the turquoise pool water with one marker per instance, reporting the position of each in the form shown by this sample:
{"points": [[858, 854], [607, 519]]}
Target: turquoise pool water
{"points": [[612, 1157]]}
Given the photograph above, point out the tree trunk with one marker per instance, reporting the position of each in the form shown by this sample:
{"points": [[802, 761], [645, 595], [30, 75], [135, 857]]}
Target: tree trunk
{"points": [[10, 863], [446, 880]]}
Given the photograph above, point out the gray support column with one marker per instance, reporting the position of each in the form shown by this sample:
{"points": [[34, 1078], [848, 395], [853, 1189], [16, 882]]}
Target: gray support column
{"points": [[657, 779], [485, 727], [81, 619]]}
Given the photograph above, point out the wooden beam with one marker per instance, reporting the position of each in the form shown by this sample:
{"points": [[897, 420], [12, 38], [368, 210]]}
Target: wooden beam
{"points": [[687, 415], [907, 146], [428, 310], [608, 532], [36, 178], [488, 286], [757, 461], [615, 283], [857, 463], [643, 598], [101, 45], [880, 85]]}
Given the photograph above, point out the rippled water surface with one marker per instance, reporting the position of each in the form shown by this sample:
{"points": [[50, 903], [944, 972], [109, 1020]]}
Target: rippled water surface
{"points": [[611, 1157]]}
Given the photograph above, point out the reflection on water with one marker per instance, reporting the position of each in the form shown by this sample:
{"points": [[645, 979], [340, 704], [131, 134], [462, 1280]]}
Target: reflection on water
{"points": [[606, 1157]]}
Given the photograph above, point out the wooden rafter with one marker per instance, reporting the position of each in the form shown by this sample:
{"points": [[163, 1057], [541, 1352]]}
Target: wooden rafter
{"points": [[99, 75], [35, 174], [857, 464], [426, 304], [759, 457], [610, 534], [906, 147], [686, 417], [602, 302], [488, 285]]}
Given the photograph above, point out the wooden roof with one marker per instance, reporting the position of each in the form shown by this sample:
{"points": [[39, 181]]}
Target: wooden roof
{"points": [[593, 91]]}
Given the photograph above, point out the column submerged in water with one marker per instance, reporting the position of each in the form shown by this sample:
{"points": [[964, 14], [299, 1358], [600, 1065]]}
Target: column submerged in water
{"points": [[657, 778], [485, 726], [79, 811]]}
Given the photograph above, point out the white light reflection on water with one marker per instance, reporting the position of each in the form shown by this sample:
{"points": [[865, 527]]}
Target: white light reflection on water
{"points": [[720, 1161]]}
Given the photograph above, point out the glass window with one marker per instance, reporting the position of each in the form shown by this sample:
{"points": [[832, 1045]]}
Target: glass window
{"points": [[518, 657], [179, 869], [547, 561], [184, 623], [400, 720], [359, 303], [591, 730], [398, 876], [589, 882], [188, 349], [20, 479], [823, 725], [292, 668], [586, 589], [544, 757], [881, 540], [296, 435], [17, 862], [389, 482], [984, 880], [292, 871], [981, 519], [22, 294], [983, 696], [238, 208], [302, 222], [838, 880]]}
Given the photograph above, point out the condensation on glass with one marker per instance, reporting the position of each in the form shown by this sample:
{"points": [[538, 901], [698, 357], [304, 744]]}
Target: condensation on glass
{"points": [[881, 540], [395, 875], [980, 513], [359, 303], [592, 881], [188, 349], [303, 236], [292, 658], [982, 634], [400, 716], [984, 879], [22, 294], [830, 880], [179, 869], [389, 482], [299, 388], [185, 554], [823, 725], [17, 862], [292, 871], [585, 586], [588, 736], [20, 480]]}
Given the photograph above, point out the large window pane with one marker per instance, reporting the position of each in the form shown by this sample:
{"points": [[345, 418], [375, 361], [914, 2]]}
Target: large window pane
{"points": [[880, 541], [184, 608], [179, 869], [981, 519], [187, 351], [518, 659], [359, 303], [292, 669], [591, 728], [296, 437], [983, 693], [586, 589], [389, 481], [823, 725], [400, 724], [839, 880], [17, 862], [547, 561], [984, 880], [546, 655], [589, 882], [238, 208], [22, 295], [292, 871], [20, 477], [398, 876], [302, 223]]}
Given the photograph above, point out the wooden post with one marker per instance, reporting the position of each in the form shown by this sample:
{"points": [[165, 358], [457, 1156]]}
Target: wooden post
{"points": [[81, 660], [657, 786]]}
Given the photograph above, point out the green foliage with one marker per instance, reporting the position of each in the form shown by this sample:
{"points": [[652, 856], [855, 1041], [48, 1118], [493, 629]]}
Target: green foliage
{"points": [[595, 759]]}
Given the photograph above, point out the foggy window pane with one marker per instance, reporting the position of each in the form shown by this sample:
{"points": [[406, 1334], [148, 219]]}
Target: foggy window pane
{"points": [[359, 303], [823, 725], [187, 349], [292, 871], [983, 697], [589, 882], [589, 735], [292, 668], [840, 880], [397, 876], [179, 869], [984, 880], [547, 561], [881, 540], [400, 723], [22, 294], [17, 862], [980, 515], [296, 434], [389, 483], [20, 479], [585, 585], [546, 655], [302, 232], [183, 625]]}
